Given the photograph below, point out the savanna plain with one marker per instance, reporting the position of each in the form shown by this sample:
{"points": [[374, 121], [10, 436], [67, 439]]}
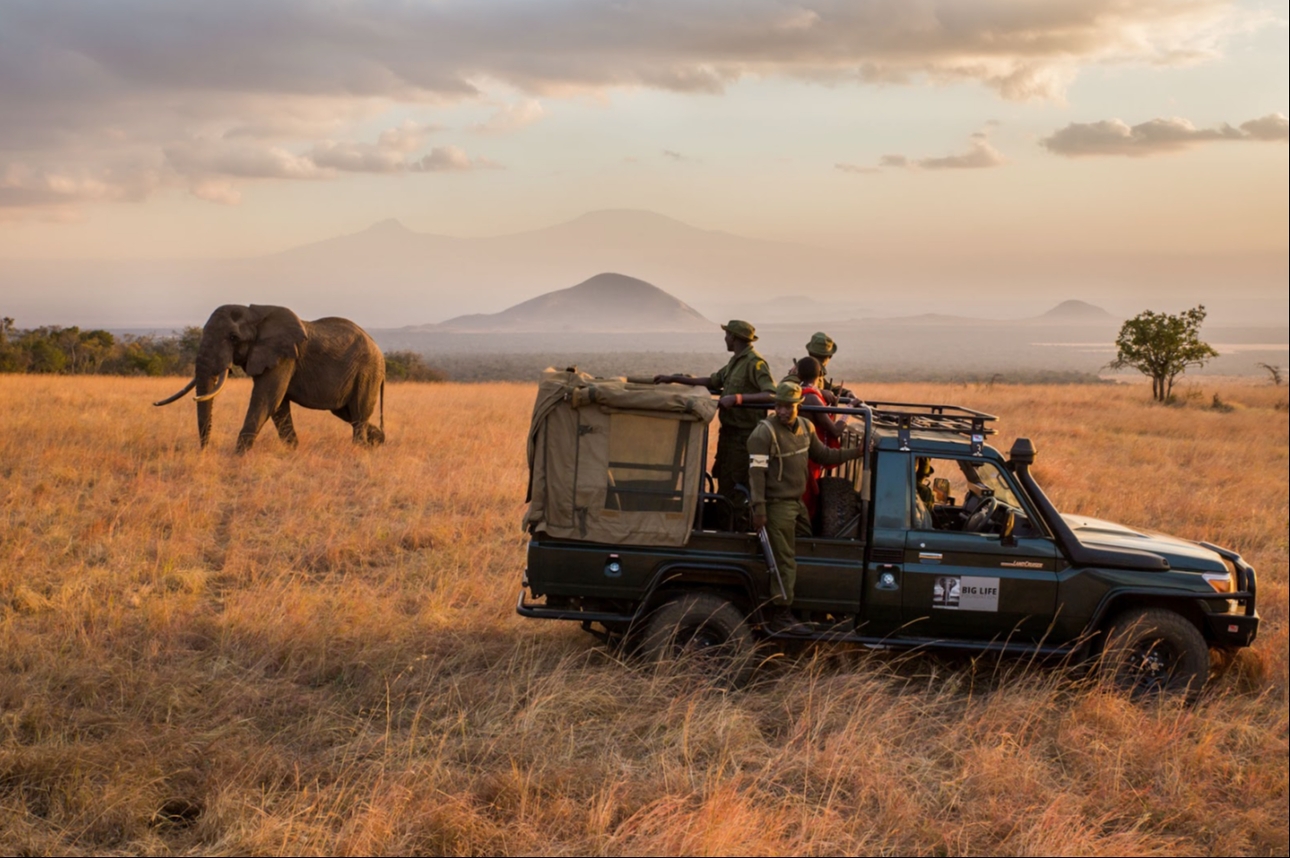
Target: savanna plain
{"points": [[316, 652]]}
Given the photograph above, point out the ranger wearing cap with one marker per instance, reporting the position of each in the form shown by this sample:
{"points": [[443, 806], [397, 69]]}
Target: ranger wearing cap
{"points": [[821, 347], [778, 452], [745, 379]]}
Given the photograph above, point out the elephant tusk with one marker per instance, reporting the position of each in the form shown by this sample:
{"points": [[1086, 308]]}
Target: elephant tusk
{"points": [[207, 397], [169, 399]]}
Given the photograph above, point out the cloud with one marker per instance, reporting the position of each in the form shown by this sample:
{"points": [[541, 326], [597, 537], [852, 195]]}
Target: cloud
{"points": [[209, 165], [408, 137], [450, 159], [240, 160], [387, 155], [216, 191], [23, 186], [83, 85], [1271, 127], [511, 117], [356, 158], [1154, 137], [980, 155], [854, 168], [446, 49]]}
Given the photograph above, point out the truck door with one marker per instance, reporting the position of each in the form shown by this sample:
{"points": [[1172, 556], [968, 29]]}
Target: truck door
{"points": [[880, 596], [961, 578]]}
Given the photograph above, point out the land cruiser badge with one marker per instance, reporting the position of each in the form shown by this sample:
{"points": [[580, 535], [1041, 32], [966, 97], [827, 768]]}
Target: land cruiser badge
{"points": [[965, 593]]}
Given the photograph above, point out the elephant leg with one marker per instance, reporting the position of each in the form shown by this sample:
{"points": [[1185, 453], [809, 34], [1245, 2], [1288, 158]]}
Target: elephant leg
{"points": [[345, 412], [266, 396], [282, 420], [366, 433], [361, 408]]}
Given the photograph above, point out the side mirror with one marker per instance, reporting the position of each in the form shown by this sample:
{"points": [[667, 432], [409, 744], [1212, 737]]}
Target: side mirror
{"points": [[1009, 525], [941, 490]]}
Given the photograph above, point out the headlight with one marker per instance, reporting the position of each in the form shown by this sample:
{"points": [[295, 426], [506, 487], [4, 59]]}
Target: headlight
{"points": [[1222, 582]]}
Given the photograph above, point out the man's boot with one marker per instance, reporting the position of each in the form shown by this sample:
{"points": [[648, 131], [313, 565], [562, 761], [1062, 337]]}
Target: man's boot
{"points": [[783, 622]]}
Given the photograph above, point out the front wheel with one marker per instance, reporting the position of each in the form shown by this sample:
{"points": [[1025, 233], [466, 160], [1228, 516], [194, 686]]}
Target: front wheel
{"points": [[705, 631], [1154, 652]]}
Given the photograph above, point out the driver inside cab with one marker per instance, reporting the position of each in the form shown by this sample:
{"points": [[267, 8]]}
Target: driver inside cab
{"points": [[925, 497], [923, 471]]}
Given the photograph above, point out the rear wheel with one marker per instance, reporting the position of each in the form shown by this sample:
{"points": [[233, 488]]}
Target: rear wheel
{"points": [[1154, 652], [704, 631]]}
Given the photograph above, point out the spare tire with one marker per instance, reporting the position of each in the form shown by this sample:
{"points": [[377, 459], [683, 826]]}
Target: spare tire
{"points": [[839, 508]]}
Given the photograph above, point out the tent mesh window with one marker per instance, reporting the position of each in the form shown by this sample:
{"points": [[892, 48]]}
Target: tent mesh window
{"points": [[646, 465]]}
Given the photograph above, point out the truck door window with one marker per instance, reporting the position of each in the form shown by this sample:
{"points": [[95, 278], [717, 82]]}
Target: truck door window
{"points": [[947, 492], [647, 461]]}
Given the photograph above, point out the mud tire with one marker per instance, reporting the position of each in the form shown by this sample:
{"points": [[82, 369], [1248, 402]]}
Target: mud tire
{"points": [[1155, 652], [703, 632]]}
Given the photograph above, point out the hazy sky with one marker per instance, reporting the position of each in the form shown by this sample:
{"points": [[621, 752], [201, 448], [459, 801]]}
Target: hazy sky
{"points": [[161, 128]]}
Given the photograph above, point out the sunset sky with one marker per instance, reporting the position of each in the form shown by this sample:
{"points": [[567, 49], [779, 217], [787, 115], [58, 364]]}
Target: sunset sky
{"points": [[158, 128]]}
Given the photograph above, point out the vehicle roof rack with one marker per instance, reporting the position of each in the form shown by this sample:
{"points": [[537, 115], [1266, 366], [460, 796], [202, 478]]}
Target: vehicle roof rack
{"points": [[905, 417]]}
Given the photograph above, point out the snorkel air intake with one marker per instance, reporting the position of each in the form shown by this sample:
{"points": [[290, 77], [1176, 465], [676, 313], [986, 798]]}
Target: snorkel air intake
{"points": [[1020, 458]]}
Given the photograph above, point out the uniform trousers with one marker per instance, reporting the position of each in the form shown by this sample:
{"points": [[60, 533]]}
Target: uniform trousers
{"points": [[731, 464], [784, 520]]}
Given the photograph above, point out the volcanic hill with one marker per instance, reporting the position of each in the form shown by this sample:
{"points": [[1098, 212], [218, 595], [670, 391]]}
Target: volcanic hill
{"points": [[606, 303], [1078, 312]]}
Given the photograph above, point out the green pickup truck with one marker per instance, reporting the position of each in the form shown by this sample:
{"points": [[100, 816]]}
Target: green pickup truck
{"points": [[933, 538]]}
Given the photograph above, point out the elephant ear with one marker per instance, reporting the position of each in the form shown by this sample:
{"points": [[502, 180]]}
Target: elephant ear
{"points": [[279, 333]]}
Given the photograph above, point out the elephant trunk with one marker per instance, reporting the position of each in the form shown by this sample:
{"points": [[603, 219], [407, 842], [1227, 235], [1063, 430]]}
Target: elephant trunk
{"points": [[219, 385], [204, 422], [208, 386]]}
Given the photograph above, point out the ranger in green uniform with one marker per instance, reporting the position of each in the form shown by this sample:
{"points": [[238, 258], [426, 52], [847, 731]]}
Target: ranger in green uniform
{"points": [[745, 379], [821, 347], [778, 450]]}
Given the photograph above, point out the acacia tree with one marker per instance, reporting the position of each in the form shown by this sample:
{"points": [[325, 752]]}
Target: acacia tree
{"points": [[1162, 346]]}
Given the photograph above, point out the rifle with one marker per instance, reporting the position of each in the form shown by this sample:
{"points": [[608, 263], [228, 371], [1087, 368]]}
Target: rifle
{"points": [[771, 566]]}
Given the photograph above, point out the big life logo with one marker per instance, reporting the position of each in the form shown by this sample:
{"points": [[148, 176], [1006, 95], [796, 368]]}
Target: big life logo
{"points": [[965, 593]]}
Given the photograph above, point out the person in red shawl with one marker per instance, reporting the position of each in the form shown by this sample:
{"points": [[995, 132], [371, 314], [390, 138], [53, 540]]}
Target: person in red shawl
{"points": [[828, 429]]}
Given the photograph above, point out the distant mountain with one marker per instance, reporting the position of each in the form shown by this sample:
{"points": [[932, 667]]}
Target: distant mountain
{"points": [[1076, 312], [1065, 313], [606, 303], [389, 276]]}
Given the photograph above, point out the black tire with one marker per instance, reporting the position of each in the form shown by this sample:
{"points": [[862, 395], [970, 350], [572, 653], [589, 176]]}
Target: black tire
{"points": [[1155, 652], [839, 508], [704, 631]]}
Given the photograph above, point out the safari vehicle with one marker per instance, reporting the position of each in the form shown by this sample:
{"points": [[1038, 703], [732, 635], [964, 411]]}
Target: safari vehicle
{"points": [[629, 539]]}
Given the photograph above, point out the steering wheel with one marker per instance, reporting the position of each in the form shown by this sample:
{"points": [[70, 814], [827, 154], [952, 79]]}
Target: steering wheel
{"points": [[980, 517]]}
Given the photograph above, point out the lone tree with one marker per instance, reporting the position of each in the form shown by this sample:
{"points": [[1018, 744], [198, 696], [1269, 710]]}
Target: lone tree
{"points": [[1162, 346]]}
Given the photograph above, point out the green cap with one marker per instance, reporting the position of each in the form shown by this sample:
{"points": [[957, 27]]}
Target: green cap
{"points": [[788, 393], [821, 345], [740, 329]]}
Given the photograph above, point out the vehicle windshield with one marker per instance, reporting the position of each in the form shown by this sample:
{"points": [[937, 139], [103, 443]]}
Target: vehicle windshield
{"points": [[988, 474]]}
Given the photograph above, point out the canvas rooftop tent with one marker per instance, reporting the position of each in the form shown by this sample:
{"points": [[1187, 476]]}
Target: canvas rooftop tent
{"points": [[616, 462]]}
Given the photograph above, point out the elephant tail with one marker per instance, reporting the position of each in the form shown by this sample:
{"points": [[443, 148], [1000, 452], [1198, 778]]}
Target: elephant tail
{"points": [[382, 406]]}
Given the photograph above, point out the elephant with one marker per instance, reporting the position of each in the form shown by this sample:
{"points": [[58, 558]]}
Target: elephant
{"points": [[328, 363]]}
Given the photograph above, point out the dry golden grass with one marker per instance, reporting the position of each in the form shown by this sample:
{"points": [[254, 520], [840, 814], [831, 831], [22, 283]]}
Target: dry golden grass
{"points": [[316, 653]]}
